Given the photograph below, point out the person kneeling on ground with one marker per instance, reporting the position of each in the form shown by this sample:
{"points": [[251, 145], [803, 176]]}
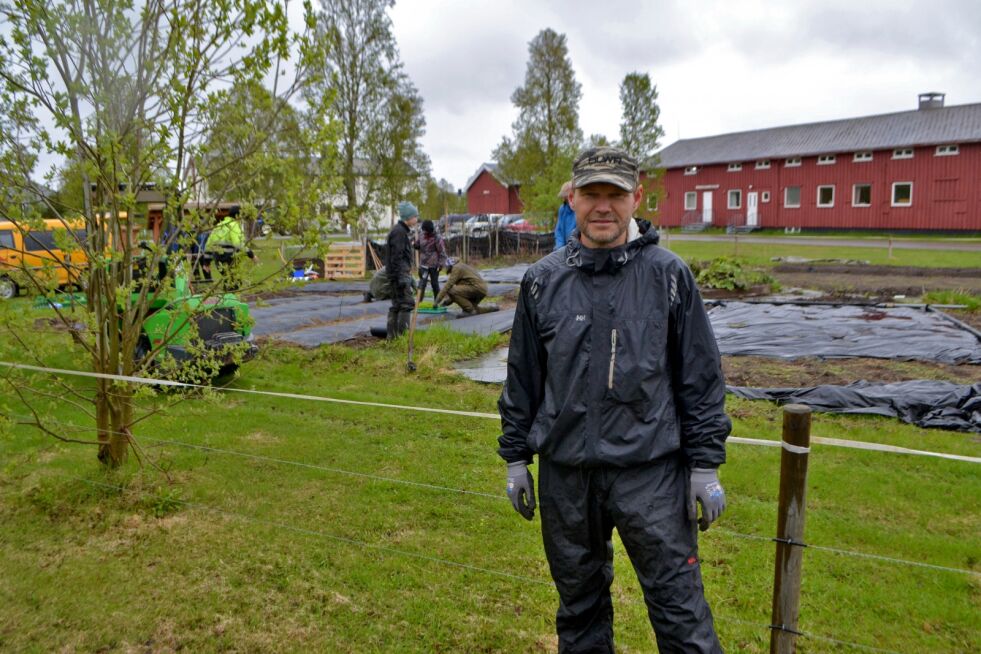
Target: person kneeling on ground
{"points": [[465, 287]]}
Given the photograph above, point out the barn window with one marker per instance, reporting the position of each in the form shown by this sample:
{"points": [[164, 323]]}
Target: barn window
{"points": [[690, 199], [691, 170], [947, 150], [902, 194], [652, 202], [792, 162], [791, 197], [765, 196], [735, 167], [762, 164], [902, 153], [826, 159], [862, 195], [826, 196], [735, 199], [862, 156]]}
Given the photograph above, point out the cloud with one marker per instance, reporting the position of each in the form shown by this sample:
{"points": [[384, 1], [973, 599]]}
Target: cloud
{"points": [[719, 65]]}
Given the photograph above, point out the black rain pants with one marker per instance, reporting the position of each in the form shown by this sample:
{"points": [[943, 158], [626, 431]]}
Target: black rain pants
{"points": [[648, 506]]}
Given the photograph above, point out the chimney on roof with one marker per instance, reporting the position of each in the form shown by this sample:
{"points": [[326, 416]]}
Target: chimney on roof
{"points": [[932, 100]]}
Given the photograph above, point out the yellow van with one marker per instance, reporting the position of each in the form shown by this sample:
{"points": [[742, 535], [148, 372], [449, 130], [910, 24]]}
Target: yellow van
{"points": [[36, 251]]}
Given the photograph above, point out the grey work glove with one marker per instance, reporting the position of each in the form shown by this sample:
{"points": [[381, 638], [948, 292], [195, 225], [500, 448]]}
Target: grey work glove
{"points": [[706, 489], [521, 489]]}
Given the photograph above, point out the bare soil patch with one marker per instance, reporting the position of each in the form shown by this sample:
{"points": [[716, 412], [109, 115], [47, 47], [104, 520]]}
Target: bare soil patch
{"points": [[765, 372], [879, 282]]}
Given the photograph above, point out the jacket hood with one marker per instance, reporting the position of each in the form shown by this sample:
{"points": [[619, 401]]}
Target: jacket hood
{"points": [[593, 259]]}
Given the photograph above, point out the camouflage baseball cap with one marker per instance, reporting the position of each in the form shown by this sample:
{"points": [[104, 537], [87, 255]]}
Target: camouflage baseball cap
{"points": [[605, 165]]}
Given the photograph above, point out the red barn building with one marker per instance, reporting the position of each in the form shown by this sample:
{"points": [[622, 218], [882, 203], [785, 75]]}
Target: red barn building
{"points": [[914, 170], [488, 192]]}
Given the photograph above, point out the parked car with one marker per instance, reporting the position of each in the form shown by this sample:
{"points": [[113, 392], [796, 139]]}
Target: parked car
{"points": [[452, 223], [514, 222], [478, 225], [24, 248]]}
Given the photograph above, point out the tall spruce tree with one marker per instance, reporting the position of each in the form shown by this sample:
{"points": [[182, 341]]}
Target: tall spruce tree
{"points": [[546, 134]]}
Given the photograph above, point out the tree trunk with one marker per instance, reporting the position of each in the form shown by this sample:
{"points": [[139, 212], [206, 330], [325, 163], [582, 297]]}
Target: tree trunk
{"points": [[114, 412]]}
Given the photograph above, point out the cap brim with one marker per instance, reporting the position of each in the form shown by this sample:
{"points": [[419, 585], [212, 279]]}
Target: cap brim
{"points": [[626, 183]]}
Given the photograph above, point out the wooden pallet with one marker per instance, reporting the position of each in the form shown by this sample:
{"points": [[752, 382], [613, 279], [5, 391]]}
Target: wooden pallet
{"points": [[344, 260]]}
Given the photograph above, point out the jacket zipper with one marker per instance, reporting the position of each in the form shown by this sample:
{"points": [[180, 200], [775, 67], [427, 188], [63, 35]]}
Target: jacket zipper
{"points": [[613, 357]]}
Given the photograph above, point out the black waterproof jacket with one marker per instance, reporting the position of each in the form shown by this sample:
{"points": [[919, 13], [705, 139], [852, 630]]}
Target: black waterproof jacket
{"points": [[399, 259], [612, 362]]}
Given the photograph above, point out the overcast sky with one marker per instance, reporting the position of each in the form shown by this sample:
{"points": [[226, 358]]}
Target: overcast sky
{"points": [[719, 65]]}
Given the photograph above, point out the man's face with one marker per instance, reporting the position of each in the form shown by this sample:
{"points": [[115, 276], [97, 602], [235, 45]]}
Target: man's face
{"points": [[411, 222], [603, 212]]}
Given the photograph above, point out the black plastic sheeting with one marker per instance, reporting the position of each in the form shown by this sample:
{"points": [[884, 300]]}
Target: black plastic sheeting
{"points": [[792, 331], [931, 404]]}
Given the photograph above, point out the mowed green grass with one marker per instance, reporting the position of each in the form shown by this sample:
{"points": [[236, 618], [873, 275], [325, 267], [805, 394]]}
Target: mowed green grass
{"points": [[762, 254], [392, 533]]}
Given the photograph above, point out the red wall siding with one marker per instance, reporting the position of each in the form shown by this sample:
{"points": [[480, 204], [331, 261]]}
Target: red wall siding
{"points": [[946, 191], [514, 202], [487, 195]]}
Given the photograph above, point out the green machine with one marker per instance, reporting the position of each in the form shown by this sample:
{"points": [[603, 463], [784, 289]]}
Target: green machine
{"points": [[197, 336]]}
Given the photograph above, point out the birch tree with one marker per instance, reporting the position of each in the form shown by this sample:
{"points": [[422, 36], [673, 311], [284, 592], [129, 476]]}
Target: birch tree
{"points": [[125, 92]]}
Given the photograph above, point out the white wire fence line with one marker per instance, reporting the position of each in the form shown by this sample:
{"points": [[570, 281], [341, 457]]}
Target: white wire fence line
{"points": [[499, 497], [834, 442], [433, 559]]}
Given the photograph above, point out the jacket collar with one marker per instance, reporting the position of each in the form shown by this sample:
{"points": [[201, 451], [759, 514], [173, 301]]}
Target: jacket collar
{"points": [[593, 260]]}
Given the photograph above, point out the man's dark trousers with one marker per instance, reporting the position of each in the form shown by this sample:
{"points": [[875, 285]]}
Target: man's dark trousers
{"points": [[403, 304], [648, 506]]}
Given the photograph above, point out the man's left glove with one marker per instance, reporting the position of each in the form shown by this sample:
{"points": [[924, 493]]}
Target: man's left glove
{"points": [[706, 489], [521, 489]]}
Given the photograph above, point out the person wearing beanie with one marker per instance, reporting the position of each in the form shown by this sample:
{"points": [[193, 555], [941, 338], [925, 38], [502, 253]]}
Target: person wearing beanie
{"points": [[398, 264], [432, 256]]}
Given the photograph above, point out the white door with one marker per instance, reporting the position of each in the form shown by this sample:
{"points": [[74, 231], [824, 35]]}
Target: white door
{"points": [[707, 206], [751, 219]]}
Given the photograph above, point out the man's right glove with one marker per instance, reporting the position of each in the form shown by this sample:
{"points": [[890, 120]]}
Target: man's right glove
{"points": [[521, 489], [706, 489]]}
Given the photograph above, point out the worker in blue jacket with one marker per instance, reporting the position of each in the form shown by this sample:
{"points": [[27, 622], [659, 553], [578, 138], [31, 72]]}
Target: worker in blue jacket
{"points": [[566, 222]]}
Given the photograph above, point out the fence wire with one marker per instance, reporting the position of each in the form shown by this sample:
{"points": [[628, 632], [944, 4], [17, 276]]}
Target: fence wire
{"points": [[471, 414], [499, 497], [433, 559]]}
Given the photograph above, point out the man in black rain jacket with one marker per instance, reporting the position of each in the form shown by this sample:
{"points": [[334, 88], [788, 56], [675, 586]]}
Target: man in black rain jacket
{"points": [[615, 382], [398, 264]]}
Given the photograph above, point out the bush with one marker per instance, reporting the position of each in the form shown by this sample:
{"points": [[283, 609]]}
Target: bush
{"points": [[730, 274]]}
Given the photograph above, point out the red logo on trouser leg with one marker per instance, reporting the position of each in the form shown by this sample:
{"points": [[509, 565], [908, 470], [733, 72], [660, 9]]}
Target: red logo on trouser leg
{"points": [[692, 560]]}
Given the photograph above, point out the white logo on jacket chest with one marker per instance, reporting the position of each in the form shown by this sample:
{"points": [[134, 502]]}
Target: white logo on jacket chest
{"points": [[580, 317]]}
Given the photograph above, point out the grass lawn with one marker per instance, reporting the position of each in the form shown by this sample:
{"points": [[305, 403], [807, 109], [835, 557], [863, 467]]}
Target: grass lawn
{"points": [[761, 254], [312, 526]]}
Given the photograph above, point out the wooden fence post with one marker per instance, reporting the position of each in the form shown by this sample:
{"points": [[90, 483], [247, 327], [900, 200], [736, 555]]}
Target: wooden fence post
{"points": [[790, 528]]}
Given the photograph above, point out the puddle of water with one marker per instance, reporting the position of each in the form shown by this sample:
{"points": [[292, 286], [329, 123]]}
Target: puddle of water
{"points": [[492, 368]]}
